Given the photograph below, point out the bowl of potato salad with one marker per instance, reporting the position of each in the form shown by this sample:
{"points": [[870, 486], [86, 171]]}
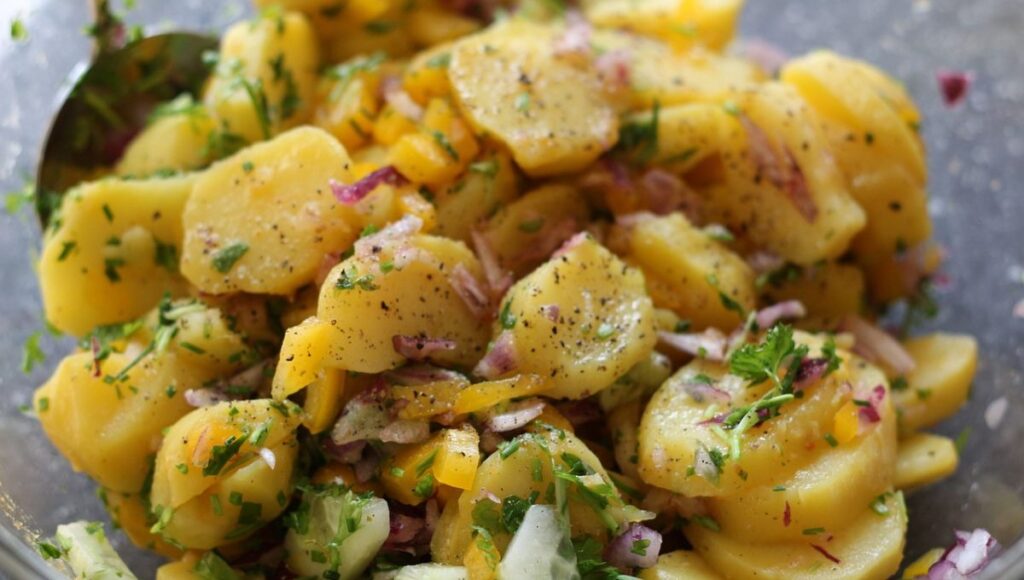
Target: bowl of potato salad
{"points": [[468, 289]]}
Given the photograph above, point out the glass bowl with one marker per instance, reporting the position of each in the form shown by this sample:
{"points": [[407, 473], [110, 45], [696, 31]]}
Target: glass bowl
{"points": [[976, 155]]}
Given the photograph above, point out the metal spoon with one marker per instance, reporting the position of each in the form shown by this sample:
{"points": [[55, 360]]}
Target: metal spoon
{"points": [[110, 101]]}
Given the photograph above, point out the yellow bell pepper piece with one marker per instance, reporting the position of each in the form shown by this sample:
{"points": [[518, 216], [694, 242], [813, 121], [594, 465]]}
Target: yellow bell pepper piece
{"points": [[458, 457], [409, 477], [413, 203], [920, 566], [422, 401], [847, 423], [323, 401], [391, 126], [490, 393], [302, 355], [338, 473]]}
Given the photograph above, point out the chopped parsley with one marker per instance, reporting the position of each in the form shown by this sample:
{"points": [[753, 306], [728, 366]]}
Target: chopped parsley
{"points": [[221, 454], [18, 30], [247, 166], [66, 249], [424, 487], [726, 300], [508, 448], [440, 60], [350, 279], [426, 464], [638, 140], [707, 522], [522, 102], [639, 547], [184, 105], [880, 505], [531, 226], [605, 331], [813, 531], [44, 404], [16, 200], [507, 319], [831, 440], [49, 551], [224, 259], [166, 256], [487, 168], [110, 266], [108, 213], [900, 384], [732, 108], [213, 567], [31, 353], [445, 144], [834, 360], [380, 26], [170, 391]]}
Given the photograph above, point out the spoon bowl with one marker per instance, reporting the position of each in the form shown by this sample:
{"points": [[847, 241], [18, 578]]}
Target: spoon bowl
{"points": [[109, 103]]}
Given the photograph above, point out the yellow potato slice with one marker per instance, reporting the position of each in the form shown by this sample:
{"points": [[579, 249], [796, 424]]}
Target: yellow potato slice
{"points": [[925, 458], [940, 382]]}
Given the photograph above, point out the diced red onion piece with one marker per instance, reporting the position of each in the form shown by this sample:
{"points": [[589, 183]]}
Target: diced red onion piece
{"points": [[420, 347], [268, 457], [364, 416], [711, 344], [400, 100], [403, 529], [875, 344], [551, 312], [632, 220], [576, 38], [353, 193], [580, 412], [781, 169], [472, 292], [825, 553], [622, 550], [348, 453], [704, 466], [501, 359], [966, 557], [768, 55], [811, 369], [366, 467], [405, 431], [1018, 309], [665, 192], [764, 262], [205, 397], [518, 415], [788, 310], [571, 243], [489, 441], [498, 278], [703, 392], [371, 245], [431, 513], [787, 515], [613, 67], [618, 171], [954, 86]]}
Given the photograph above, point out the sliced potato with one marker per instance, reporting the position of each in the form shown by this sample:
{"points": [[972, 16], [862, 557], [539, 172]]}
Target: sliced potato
{"points": [[401, 290], [687, 272], [604, 326], [262, 220], [491, 183], [551, 114], [923, 459], [176, 142], [871, 547], [829, 291], [680, 565], [114, 252], [940, 382]]}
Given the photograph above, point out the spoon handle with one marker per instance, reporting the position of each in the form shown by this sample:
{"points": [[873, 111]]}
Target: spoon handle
{"points": [[107, 29]]}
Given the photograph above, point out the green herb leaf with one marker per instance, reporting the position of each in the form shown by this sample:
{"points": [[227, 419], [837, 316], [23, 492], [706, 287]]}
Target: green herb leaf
{"points": [[445, 144], [224, 259], [31, 353]]}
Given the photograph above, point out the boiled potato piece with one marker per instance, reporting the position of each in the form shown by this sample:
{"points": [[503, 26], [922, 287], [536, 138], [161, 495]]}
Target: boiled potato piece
{"points": [[114, 252], [623, 423], [262, 220], [680, 565], [183, 569], [130, 514], [265, 81], [400, 290], [492, 182], [552, 115], [640, 382], [214, 452], [674, 428], [871, 547], [783, 189], [347, 101], [301, 361], [514, 475], [940, 382], [176, 141], [669, 77], [692, 133], [923, 459], [683, 23], [829, 291], [687, 271], [604, 326], [830, 492], [210, 443], [109, 430], [525, 232]]}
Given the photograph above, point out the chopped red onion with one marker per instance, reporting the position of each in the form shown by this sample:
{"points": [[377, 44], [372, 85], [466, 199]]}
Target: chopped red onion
{"points": [[571, 243], [546, 241], [637, 547], [97, 362], [550, 311], [347, 453], [472, 292], [371, 245], [702, 392], [268, 457], [403, 529], [764, 262], [631, 220], [811, 369], [779, 169], [704, 466], [619, 172], [500, 360], [576, 38], [825, 553], [400, 101], [665, 192], [872, 413], [205, 397], [1018, 309], [767, 55], [954, 86], [405, 431], [966, 557], [498, 278], [580, 412], [710, 344], [875, 344], [613, 67], [421, 374], [787, 516], [431, 514], [366, 468], [364, 416], [995, 411], [788, 310], [352, 193], [420, 347], [489, 441], [517, 416]]}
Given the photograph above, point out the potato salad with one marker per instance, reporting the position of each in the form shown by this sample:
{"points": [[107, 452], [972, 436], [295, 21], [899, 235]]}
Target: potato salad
{"points": [[453, 289]]}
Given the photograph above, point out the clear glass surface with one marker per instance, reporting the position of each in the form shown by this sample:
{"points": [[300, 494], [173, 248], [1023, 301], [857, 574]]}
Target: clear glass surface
{"points": [[976, 155]]}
